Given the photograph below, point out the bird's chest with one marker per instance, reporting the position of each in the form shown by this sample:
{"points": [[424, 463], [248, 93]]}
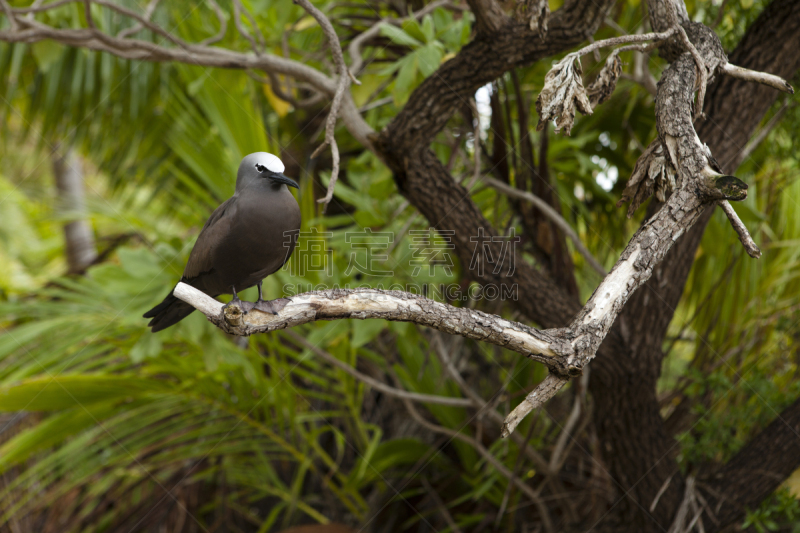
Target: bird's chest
{"points": [[268, 227]]}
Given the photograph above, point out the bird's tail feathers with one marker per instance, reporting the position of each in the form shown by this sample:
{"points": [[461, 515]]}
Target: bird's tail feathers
{"points": [[167, 313]]}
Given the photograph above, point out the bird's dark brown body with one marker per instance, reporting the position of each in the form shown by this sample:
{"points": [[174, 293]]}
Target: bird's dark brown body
{"points": [[247, 238]]}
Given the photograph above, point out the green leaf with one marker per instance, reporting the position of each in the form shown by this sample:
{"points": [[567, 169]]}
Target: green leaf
{"points": [[400, 37], [430, 57], [149, 345], [62, 392], [412, 27], [427, 28], [405, 79]]}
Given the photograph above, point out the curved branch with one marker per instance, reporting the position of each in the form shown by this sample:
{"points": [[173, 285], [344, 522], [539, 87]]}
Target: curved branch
{"points": [[388, 305], [341, 86]]}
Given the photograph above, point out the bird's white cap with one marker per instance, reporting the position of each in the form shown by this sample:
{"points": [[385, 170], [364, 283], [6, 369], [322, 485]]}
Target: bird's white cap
{"points": [[272, 162]]}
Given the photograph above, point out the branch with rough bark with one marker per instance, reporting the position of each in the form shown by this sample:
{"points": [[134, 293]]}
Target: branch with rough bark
{"points": [[374, 303]]}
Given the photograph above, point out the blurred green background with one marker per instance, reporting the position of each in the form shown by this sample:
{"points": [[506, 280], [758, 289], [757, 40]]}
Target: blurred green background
{"points": [[107, 427]]}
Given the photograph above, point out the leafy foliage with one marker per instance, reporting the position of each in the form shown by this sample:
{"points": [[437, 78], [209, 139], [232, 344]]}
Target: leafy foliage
{"points": [[114, 427]]}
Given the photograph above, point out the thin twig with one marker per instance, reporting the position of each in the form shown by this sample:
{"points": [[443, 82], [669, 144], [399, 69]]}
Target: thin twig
{"points": [[442, 507], [374, 383], [238, 9], [550, 213], [558, 456], [482, 405], [87, 11], [624, 39], [720, 14], [354, 49], [275, 84], [762, 134], [223, 25], [491, 459], [148, 13], [12, 20], [702, 73], [741, 230], [343, 83], [517, 463]]}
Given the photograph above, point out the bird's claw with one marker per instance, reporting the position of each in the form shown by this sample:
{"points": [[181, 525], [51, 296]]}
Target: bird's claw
{"points": [[271, 306], [246, 307]]}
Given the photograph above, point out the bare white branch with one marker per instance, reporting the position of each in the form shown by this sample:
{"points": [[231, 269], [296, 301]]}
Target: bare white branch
{"points": [[374, 303], [761, 77]]}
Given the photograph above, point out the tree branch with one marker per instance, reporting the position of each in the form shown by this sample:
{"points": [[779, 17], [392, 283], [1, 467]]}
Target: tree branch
{"points": [[764, 78], [741, 230], [374, 303]]}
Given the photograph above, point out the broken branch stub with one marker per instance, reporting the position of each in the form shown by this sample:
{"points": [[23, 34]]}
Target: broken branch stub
{"points": [[563, 92]]}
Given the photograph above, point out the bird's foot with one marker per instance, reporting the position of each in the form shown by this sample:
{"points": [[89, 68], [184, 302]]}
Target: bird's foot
{"points": [[271, 306], [246, 307]]}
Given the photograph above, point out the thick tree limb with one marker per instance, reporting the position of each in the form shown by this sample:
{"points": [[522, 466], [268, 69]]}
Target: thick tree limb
{"points": [[637, 448], [374, 303], [489, 17]]}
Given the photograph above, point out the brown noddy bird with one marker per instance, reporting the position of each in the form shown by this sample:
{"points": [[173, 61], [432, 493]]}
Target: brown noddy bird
{"points": [[247, 238]]}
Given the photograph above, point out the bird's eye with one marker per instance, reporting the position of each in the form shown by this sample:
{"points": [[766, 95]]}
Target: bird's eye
{"points": [[261, 168]]}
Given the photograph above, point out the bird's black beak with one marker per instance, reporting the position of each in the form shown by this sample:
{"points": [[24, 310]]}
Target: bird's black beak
{"points": [[280, 178]]}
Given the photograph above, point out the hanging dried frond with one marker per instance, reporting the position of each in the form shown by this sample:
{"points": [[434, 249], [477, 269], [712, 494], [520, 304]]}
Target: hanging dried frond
{"points": [[603, 86], [563, 91], [652, 173]]}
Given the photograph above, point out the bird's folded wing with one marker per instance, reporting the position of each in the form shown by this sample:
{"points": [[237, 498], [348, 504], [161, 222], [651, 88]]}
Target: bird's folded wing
{"points": [[216, 229]]}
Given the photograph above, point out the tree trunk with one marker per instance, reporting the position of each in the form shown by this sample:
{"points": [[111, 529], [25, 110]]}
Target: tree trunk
{"points": [[640, 453], [78, 234]]}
